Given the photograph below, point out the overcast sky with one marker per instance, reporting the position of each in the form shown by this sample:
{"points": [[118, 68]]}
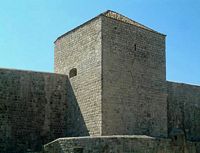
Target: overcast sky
{"points": [[28, 29]]}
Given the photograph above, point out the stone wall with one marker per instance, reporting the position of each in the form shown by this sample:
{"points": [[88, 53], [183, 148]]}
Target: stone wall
{"points": [[32, 109], [80, 49], [184, 109], [134, 75], [119, 144]]}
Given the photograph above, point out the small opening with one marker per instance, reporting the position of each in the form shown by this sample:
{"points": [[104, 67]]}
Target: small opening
{"points": [[78, 150], [135, 47], [175, 137], [72, 72]]}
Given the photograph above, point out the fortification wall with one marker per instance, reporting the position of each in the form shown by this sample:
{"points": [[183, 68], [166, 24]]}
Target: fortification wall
{"points": [[134, 91], [184, 109], [119, 144], [81, 49], [32, 109]]}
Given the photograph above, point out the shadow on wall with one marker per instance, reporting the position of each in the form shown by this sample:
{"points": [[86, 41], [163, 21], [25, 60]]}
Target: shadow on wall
{"points": [[75, 124], [36, 108]]}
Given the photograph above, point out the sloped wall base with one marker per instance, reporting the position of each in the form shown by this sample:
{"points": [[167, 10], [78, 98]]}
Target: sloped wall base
{"points": [[120, 144]]}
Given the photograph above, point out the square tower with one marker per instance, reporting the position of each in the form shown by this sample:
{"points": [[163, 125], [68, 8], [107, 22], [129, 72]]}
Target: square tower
{"points": [[117, 73]]}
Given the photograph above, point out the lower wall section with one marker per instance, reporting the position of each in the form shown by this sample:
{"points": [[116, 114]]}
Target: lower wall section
{"points": [[120, 144]]}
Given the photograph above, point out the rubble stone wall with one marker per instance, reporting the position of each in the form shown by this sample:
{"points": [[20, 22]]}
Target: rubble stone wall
{"points": [[184, 109], [32, 109], [119, 144]]}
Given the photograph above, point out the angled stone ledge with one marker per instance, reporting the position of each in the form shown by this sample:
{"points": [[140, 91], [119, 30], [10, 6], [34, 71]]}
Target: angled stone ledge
{"points": [[118, 144]]}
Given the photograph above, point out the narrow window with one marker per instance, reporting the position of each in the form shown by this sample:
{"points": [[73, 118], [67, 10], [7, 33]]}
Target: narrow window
{"points": [[72, 72], [135, 47]]}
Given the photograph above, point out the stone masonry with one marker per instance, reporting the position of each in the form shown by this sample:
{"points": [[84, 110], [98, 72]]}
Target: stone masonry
{"points": [[108, 94], [81, 49], [119, 144], [124, 57], [32, 107], [134, 75], [184, 109]]}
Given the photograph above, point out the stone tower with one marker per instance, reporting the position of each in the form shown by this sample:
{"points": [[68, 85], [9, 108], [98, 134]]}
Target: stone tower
{"points": [[117, 72]]}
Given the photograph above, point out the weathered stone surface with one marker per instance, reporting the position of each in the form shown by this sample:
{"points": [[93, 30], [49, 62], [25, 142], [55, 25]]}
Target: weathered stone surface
{"points": [[32, 107], [81, 49], [133, 87], [184, 109], [118, 144], [120, 77]]}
